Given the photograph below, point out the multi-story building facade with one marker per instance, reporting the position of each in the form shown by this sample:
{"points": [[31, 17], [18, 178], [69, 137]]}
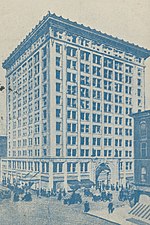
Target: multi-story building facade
{"points": [[142, 152], [70, 90]]}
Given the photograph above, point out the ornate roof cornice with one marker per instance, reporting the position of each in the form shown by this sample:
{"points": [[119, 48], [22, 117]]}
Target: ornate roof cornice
{"points": [[75, 28]]}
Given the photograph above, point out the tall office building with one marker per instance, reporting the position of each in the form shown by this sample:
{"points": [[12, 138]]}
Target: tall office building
{"points": [[70, 90]]}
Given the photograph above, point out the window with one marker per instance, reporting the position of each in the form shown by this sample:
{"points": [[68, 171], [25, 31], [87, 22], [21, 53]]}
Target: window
{"points": [[107, 119], [57, 61], [84, 80], [57, 151], [58, 48], [118, 76], [36, 57], [107, 108], [71, 102], [44, 51], [57, 167], [128, 79], [139, 102], [128, 69], [58, 126], [84, 152], [108, 62], [71, 167], [71, 51], [128, 90], [57, 74], [58, 100], [108, 74], [84, 68], [143, 129], [139, 92], [84, 140], [96, 59], [71, 64], [144, 150], [139, 82], [58, 87], [71, 77], [37, 69], [96, 82], [107, 96], [107, 130], [57, 139], [84, 55], [96, 71], [71, 152], [71, 140], [118, 66], [84, 167], [107, 141], [72, 89], [44, 63], [44, 89], [54, 167], [96, 141], [118, 87], [58, 113], [143, 174], [44, 101], [44, 114], [85, 116]]}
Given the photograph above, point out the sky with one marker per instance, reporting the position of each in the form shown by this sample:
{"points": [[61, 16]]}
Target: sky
{"points": [[125, 19]]}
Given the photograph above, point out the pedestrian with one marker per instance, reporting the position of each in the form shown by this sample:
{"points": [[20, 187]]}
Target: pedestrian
{"points": [[110, 207], [64, 192], [37, 192], [86, 206], [48, 193], [59, 195]]}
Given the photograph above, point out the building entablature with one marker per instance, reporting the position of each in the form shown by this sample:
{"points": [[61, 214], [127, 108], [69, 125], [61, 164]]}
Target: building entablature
{"points": [[88, 37]]}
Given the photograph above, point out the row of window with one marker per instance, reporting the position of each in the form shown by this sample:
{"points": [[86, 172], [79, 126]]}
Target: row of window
{"points": [[57, 166], [72, 140]]}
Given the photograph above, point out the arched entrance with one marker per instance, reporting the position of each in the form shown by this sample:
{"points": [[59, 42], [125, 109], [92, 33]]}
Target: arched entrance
{"points": [[103, 177]]}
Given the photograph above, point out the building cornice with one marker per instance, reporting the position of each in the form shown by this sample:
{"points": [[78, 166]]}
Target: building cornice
{"points": [[141, 114], [51, 20]]}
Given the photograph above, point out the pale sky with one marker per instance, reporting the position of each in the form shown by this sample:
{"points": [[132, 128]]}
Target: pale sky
{"points": [[125, 19]]}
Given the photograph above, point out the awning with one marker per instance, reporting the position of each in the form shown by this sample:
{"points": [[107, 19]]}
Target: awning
{"points": [[86, 183], [74, 184], [31, 177], [130, 178]]}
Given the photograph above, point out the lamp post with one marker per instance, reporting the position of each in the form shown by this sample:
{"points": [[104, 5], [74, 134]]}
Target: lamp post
{"points": [[119, 171]]}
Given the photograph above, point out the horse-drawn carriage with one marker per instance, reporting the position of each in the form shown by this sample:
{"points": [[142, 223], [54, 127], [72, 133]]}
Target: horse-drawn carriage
{"points": [[73, 198]]}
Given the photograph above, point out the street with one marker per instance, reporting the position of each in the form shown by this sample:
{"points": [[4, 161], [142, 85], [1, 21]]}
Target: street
{"points": [[44, 211]]}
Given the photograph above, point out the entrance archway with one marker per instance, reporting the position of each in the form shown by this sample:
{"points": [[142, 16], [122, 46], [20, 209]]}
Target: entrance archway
{"points": [[103, 175]]}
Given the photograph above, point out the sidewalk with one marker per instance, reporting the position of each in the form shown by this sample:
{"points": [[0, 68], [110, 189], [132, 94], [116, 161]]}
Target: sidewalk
{"points": [[119, 215]]}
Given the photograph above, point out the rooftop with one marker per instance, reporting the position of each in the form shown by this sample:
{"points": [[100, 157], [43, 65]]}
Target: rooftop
{"points": [[77, 29], [141, 113]]}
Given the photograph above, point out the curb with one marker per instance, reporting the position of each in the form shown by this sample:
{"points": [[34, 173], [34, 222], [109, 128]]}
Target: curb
{"points": [[99, 217]]}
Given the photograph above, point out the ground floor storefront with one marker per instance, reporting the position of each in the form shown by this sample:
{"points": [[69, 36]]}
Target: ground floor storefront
{"points": [[62, 173]]}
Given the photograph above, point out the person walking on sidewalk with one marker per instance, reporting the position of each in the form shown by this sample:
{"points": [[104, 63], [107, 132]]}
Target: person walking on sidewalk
{"points": [[110, 207], [86, 206]]}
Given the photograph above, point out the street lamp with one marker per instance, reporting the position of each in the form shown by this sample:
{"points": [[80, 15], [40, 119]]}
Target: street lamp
{"points": [[119, 169]]}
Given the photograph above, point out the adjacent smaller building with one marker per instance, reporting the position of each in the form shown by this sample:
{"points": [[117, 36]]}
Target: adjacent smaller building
{"points": [[142, 151], [3, 146]]}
